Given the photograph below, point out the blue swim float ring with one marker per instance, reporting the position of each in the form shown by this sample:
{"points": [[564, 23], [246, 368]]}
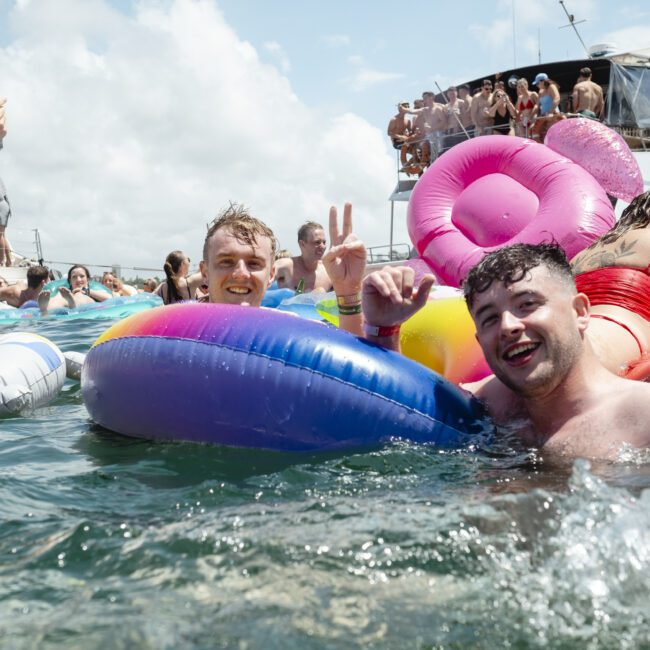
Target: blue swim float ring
{"points": [[261, 378]]}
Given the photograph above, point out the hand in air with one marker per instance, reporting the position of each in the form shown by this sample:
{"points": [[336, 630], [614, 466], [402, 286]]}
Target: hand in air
{"points": [[389, 297], [345, 261]]}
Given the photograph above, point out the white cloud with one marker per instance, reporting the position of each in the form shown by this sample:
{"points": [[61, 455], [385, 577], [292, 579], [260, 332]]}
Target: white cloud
{"points": [[336, 40], [363, 77], [629, 39], [128, 134], [277, 51]]}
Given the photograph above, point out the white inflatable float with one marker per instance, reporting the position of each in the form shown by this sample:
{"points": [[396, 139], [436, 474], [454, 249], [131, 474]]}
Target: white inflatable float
{"points": [[32, 372]]}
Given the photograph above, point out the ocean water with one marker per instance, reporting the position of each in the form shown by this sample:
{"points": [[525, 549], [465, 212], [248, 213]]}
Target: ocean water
{"points": [[110, 542]]}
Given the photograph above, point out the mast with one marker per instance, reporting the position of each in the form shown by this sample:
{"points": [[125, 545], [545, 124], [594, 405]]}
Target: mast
{"points": [[573, 23]]}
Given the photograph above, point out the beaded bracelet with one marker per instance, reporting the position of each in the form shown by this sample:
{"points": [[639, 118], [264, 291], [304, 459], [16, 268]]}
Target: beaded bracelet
{"points": [[350, 310], [349, 301]]}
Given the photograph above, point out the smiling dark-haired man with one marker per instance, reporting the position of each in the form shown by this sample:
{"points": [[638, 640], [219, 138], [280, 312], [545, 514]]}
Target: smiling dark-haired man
{"points": [[531, 323]]}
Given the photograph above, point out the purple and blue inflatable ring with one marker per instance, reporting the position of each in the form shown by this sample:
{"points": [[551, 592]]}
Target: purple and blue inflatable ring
{"points": [[265, 379]]}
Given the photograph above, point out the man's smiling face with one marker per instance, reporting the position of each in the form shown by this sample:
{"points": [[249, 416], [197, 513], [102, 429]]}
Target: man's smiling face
{"points": [[237, 272], [531, 331]]}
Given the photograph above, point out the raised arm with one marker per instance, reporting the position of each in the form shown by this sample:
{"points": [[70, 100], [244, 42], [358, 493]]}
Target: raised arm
{"points": [[389, 298], [345, 263]]}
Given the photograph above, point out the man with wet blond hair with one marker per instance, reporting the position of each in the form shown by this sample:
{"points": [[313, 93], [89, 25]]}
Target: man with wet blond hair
{"points": [[238, 253]]}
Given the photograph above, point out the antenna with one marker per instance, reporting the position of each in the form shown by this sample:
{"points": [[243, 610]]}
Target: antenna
{"points": [[573, 23], [514, 36]]}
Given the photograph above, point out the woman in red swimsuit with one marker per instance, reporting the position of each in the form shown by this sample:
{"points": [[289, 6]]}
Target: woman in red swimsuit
{"points": [[615, 274], [526, 108]]}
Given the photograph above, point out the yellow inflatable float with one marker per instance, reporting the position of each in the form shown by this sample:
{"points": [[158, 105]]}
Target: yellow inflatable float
{"points": [[440, 336]]}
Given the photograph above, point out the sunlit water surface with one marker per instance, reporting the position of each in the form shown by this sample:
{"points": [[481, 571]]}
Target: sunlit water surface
{"points": [[109, 542]]}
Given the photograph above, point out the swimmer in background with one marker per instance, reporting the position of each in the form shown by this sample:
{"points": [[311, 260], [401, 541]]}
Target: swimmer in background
{"points": [[306, 270], [122, 289], [77, 293], [178, 287], [149, 285], [17, 295]]}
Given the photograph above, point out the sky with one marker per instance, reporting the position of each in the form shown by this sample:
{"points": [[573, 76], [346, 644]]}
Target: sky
{"points": [[132, 124]]}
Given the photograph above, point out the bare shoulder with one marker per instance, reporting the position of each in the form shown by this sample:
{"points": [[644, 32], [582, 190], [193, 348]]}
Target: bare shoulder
{"points": [[502, 404], [630, 408], [194, 281]]}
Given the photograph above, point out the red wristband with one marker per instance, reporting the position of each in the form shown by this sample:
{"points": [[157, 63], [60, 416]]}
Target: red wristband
{"points": [[373, 330]]}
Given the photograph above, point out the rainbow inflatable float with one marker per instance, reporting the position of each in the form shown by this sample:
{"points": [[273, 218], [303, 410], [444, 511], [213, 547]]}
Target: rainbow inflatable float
{"points": [[260, 378]]}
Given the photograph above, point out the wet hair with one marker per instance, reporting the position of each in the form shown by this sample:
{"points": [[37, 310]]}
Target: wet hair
{"points": [[306, 228], [78, 266], [636, 215], [171, 267], [585, 72], [428, 93], [244, 228], [36, 275], [282, 254], [150, 283], [511, 264]]}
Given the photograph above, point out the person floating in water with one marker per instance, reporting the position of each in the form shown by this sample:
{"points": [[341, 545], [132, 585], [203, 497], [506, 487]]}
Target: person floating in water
{"points": [[306, 270], [17, 295], [555, 368], [77, 292]]}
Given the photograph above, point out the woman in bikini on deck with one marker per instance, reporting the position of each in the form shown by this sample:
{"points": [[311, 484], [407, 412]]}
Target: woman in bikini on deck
{"points": [[614, 273]]}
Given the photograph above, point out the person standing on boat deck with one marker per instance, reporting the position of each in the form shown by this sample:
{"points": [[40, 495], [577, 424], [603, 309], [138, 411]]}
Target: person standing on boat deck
{"points": [[547, 109], [435, 124], [5, 208], [305, 272], [466, 111], [17, 295], [501, 111], [526, 106], [400, 131], [399, 127], [587, 96], [415, 143], [430, 129], [454, 109], [480, 106], [532, 325]]}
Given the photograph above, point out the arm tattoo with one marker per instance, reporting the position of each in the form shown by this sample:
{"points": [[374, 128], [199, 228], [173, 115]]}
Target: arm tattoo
{"points": [[590, 260]]}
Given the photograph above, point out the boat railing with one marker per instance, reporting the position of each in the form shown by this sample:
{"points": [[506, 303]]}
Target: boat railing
{"points": [[636, 138], [386, 253]]}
